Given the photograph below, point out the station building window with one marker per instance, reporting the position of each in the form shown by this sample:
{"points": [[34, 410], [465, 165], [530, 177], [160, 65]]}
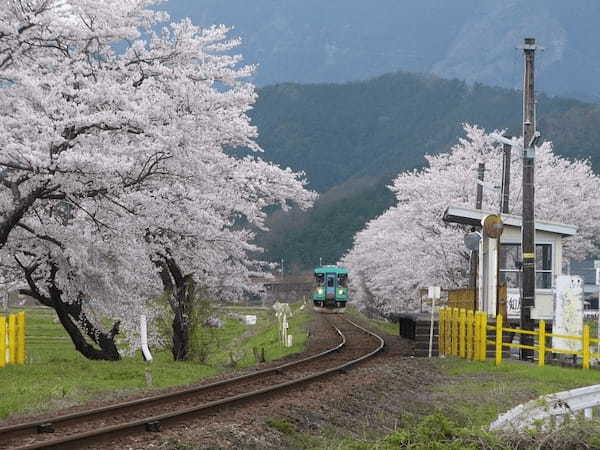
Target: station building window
{"points": [[510, 265]]}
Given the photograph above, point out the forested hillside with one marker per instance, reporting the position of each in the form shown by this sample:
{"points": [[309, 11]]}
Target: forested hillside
{"points": [[377, 128]]}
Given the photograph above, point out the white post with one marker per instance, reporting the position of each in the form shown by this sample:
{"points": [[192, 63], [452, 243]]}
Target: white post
{"points": [[144, 339], [433, 293]]}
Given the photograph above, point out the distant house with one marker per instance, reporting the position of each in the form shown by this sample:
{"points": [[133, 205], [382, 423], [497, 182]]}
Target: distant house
{"points": [[507, 264]]}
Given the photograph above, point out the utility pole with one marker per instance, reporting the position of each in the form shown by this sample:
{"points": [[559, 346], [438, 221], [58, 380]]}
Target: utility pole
{"points": [[506, 155], [528, 227], [282, 268], [478, 205], [504, 199], [480, 175]]}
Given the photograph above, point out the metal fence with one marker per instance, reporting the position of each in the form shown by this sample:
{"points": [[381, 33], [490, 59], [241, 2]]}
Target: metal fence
{"points": [[464, 334], [12, 339]]}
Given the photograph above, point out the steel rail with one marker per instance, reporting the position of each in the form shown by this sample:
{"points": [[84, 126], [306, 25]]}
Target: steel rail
{"points": [[153, 423], [36, 425]]}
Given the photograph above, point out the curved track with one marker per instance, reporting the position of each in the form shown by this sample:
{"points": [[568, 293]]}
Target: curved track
{"points": [[86, 428]]}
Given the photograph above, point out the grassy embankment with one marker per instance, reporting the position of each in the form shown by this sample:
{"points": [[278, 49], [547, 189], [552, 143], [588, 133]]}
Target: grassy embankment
{"points": [[382, 325], [458, 409], [57, 376]]}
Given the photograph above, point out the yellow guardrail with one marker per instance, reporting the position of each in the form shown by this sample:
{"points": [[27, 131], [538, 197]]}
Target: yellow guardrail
{"points": [[12, 339], [464, 333]]}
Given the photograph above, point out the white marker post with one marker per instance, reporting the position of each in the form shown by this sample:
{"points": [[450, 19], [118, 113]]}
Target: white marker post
{"points": [[433, 292], [144, 339]]}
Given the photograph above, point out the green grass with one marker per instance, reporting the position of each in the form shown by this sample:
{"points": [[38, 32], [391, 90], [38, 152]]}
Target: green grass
{"points": [[468, 397], [56, 375], [390, 328], [481, 390]]}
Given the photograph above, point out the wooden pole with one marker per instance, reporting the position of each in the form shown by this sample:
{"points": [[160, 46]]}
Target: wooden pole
{"points": [[474, 266], [528, 228], [506, 155]]}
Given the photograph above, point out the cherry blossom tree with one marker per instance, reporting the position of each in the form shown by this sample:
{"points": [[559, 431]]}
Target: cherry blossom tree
{"points": [[115, 175], [409, 246]]}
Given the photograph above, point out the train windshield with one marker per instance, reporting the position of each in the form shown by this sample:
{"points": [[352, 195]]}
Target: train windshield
{"points": [[330, 280], [319, 278], [343, 280]]}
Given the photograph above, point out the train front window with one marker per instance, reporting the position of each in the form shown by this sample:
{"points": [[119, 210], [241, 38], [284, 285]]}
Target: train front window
{"points": [[330, 280], [343, 280], [319, 278]]}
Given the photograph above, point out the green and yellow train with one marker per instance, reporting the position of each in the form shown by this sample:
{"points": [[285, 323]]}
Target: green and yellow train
{"points": [[331, 289]]}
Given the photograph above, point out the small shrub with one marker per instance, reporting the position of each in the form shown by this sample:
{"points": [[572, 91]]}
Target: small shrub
{"points": [[280, 425]]}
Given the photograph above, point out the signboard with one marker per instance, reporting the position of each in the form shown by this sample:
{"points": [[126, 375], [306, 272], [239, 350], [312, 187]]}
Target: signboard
{"points": [[568, 311], [492, 226], [434, 292], [472, 240], [513, 305]]}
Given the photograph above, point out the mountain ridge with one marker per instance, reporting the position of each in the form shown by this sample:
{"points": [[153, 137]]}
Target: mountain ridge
{"points": [[343, 134], [472, 40]]}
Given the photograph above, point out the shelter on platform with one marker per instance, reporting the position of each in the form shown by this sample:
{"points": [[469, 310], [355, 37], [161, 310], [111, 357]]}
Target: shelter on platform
{"points": [[496, 268]]}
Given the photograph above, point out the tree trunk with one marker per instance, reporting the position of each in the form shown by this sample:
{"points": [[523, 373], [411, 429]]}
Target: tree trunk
{"points": [[180, 292], [181, 337], [75, 322]]}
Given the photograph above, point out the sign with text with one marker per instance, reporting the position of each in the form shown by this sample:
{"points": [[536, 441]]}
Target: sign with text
{"points": [[568, 311], [513, 305]]}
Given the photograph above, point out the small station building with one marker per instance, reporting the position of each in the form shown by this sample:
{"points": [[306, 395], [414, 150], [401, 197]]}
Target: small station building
{"points": [[500, 262]]}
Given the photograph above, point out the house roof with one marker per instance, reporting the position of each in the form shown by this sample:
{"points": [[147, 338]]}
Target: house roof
{"points": [[473, 217]]}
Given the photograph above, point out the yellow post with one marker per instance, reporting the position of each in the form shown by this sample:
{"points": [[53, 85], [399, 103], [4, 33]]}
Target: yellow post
{"points": [[441, 331], [21, 338], [444, 332], [586, 346], [541, 343], [2, 341], [448, 331], [454, 331], [499, 339], [462, 333], [449, 326], [469, 334], [12, 338], [483, 337], [477, 337]]}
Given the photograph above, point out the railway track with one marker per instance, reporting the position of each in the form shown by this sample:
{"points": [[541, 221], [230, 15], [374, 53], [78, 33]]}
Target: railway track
{"points": [[86, 429]]}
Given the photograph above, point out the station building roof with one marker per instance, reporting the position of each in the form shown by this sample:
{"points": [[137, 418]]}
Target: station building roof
{"points": [[473, 217]]}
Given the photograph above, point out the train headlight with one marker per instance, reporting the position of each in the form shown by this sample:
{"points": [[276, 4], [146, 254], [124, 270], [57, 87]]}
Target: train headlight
{"points": [[320, 291], [340, 292]]}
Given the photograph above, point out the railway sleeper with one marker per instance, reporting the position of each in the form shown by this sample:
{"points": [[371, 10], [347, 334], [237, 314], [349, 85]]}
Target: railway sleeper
{"points": [[153, 427], [47, 427]]}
